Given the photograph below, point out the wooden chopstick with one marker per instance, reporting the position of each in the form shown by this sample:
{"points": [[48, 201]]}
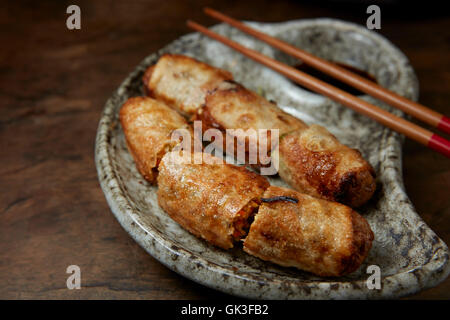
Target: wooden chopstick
{"points": [[415, 109], [398, 124]]}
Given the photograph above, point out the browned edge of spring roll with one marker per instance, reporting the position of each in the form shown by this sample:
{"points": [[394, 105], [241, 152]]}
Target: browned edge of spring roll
{"points": [[182, 82], [314, 162], [319, 236], [213, 200], [148, 126]]}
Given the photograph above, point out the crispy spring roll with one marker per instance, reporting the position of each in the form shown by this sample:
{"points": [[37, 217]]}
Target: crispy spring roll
{"points": [[310, 158], [223, 204], [319, 236], [148, 126], [231, 106], [213, 200], [182, 82], [314, 162]]}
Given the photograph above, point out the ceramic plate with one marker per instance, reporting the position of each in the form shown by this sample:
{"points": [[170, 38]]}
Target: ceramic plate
{"points": [[410, 255]]}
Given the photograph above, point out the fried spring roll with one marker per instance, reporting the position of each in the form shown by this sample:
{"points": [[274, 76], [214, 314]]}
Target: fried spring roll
{"points": [[148, 126], [310, 158], [314, 162], [182, 82], [217, 202], [231, 106], [213, 200], [319, 236]]}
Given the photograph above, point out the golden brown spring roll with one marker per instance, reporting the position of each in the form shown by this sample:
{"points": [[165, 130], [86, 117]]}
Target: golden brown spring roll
{"points": [[148, 126], [231, 106], [311, 159], [314, 162], [182, 82], [319, 236], [213, 200], [217, 202]]}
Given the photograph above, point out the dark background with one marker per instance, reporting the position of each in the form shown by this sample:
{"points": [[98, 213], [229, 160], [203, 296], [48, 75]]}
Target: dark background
{"points": [[53, 85]]}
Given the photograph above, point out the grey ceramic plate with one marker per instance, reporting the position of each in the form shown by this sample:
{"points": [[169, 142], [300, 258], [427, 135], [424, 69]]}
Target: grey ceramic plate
{"points": [[409, 253]]}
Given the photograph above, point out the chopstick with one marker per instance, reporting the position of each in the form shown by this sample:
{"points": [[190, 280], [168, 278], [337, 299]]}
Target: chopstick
{"points": [[398, 124], [412, 108]]}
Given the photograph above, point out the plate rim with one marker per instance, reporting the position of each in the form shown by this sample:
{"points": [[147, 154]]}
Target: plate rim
{"points": [[245, 285]]}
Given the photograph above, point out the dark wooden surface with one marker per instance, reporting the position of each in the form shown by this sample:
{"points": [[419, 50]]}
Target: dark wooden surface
{"points": [[53, 85]]}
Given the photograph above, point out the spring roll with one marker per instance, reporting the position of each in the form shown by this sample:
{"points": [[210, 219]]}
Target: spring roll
{"points": [[314, 162], [319, 236], [231, 106], [310, 158], [182, 82], [148, 126], [212, 200]]}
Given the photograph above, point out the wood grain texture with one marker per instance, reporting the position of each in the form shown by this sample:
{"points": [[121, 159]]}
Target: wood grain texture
{"points": [[53, 85]]}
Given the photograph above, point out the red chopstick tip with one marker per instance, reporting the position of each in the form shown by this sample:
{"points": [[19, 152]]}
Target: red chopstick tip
{"points": [[440, 145], [444, 124]]}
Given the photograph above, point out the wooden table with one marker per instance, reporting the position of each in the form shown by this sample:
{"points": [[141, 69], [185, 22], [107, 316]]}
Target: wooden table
{"points": [[54, 83]]}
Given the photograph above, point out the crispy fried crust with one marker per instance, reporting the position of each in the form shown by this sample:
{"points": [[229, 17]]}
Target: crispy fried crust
{"points": [[148, 126], [208, 199], [182, 82], [234, 106], [231, 106], [311, 159], [146, 79], [314, 162], [319, 236]]}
